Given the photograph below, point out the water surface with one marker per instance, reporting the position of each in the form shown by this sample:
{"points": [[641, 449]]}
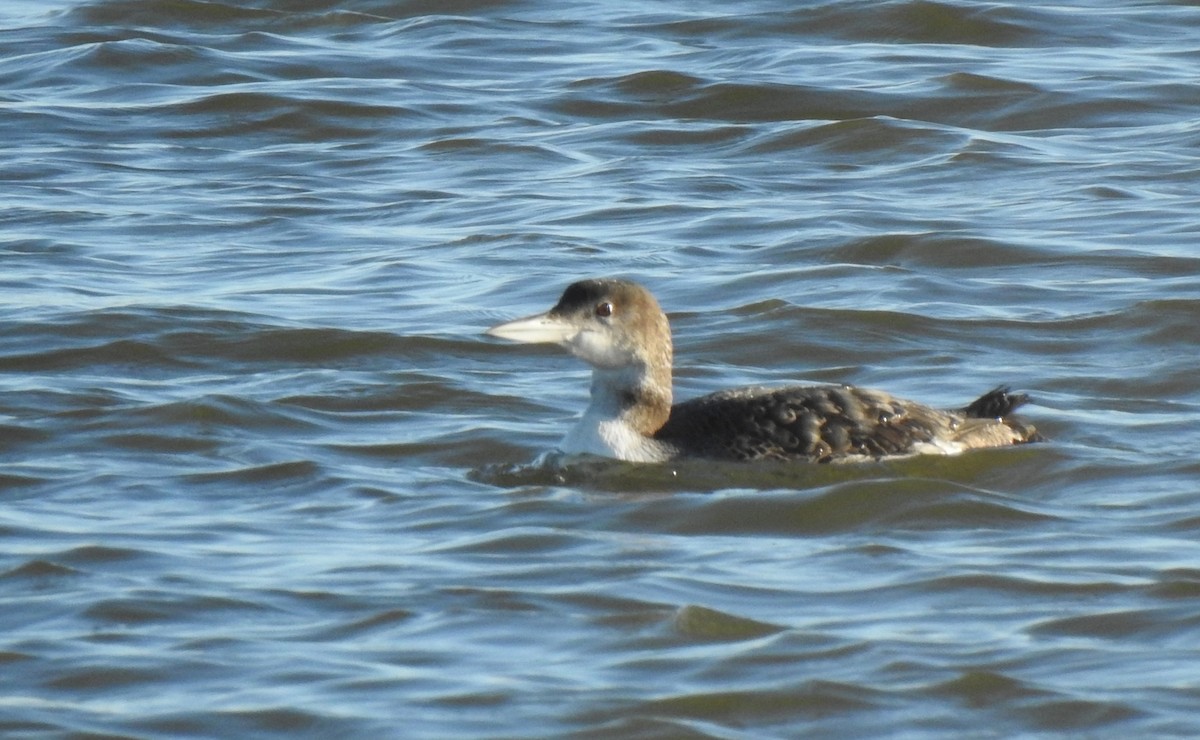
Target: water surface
{"points": [[261, 475]]}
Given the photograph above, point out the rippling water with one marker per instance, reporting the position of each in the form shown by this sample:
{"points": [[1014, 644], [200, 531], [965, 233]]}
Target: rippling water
{"points": [[260, 475]]}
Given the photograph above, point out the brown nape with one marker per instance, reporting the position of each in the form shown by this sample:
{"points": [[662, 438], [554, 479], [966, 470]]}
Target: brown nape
{"points": [[647, 325], [646, 409]]}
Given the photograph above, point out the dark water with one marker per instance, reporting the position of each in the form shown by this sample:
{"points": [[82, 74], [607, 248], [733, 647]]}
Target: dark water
{"points": [[260, 475]]}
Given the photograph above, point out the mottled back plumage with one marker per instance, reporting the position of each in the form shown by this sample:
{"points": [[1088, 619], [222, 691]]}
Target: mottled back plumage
{"points": [[827, 423]]}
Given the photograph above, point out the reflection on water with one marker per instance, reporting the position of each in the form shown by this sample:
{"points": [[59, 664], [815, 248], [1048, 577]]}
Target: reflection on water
{"points": [[261, 475]]}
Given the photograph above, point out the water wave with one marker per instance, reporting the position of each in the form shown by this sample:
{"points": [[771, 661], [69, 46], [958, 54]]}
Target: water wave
{"points": [[251, 435]]}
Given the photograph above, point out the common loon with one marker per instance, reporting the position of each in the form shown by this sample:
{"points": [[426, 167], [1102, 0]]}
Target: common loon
{"points": [[618, 328]]}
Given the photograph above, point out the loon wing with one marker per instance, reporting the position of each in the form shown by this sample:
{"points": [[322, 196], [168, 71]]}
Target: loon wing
{"points": [[826, 423]]}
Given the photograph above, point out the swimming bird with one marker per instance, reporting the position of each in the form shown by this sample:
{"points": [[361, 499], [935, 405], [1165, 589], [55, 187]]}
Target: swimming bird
{"points": [[618, 328]]}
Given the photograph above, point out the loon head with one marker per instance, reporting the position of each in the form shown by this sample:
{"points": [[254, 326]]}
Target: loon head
{"points": [[617, 327], [610, 324]]}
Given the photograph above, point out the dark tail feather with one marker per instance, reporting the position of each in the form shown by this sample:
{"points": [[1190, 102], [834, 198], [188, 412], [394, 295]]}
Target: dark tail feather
{"points": [[995, 404]]}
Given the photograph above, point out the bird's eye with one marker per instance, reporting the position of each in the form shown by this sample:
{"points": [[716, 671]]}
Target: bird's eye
{"points": [[604, 310]]}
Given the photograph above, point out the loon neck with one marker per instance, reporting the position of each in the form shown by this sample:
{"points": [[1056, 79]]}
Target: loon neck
{"points": [[637, 396], [620, 422]]}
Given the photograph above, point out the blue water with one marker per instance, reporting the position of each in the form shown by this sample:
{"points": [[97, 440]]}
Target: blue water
{"points": [[261, 475]]}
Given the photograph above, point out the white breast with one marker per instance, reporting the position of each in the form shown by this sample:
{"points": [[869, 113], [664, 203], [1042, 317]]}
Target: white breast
{"points": [[596, 434]]}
